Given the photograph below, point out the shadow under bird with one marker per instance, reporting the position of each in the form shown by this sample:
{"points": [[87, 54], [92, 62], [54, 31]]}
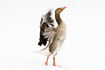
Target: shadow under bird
{"points": [[50, 36]]}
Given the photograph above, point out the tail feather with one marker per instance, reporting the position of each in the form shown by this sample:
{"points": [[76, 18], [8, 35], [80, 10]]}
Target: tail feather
{"points": [[45, 52]]}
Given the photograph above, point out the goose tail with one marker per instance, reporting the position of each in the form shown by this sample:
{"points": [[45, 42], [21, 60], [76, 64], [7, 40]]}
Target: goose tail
{"points": [[44, 52]]}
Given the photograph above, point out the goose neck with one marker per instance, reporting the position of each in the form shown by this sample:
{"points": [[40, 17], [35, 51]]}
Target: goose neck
{"points": [[58, 19]]}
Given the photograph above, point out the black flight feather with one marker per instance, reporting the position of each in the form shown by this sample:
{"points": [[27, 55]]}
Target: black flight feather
{"points": [[46, 21]]}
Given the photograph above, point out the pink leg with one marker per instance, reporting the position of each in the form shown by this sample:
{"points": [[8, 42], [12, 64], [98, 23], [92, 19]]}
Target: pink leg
{"points": [[54, 61], [46, 63]]}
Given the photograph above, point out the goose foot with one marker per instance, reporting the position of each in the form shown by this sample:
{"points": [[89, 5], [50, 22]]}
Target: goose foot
{"points": [[54, 65]]}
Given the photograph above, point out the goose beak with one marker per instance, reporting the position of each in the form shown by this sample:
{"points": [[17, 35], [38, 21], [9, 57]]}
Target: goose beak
{"points": [[63, 8]]}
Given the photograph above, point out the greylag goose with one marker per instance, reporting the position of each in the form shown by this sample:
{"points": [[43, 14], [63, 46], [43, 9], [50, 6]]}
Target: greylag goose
{"points": [[53, 37]]}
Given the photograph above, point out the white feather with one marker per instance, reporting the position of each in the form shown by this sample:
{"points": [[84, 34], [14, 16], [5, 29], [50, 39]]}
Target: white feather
{"points": [[44, 52]]}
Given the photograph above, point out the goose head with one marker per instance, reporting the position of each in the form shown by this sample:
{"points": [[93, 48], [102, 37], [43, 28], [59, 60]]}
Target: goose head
{"points": [[59, 10]]}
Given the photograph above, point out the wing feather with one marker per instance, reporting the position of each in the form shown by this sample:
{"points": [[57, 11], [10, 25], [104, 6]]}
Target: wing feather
{"points": [[49, 34], [47, 31]]}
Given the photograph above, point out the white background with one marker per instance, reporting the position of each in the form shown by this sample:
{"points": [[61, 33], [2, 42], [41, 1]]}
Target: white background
{"points": [[83, 49]]}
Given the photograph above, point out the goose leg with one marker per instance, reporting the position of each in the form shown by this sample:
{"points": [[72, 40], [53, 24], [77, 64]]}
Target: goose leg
{"points": [[54, 61], [46, 63]]}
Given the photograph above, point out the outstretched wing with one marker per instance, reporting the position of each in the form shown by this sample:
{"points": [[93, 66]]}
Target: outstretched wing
{"points": [[49, 34], [46, 29]]}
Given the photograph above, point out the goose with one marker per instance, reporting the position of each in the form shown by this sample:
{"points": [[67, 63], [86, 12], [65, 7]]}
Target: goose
{"points": [[51, 35]]}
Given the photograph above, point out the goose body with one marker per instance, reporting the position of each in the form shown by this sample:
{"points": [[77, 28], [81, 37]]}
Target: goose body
{"points": [[54, 36], [58, 40]]}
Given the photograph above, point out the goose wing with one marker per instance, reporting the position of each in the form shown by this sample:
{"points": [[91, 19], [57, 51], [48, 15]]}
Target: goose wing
{"points": [[46, 26], [49, 34]]}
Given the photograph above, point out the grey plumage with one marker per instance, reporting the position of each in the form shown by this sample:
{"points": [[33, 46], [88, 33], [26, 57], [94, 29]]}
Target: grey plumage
{"points": [[55, 36]]}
